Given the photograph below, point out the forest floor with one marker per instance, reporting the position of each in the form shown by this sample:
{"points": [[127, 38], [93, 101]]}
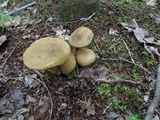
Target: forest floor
{"points": [[119, 85]]}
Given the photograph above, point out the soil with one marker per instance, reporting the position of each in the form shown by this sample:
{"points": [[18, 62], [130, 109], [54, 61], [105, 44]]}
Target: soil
{"points": [[72, 97]]}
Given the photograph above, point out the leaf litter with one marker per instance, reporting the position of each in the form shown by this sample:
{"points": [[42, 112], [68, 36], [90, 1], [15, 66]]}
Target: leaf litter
{"points": [[3, 38], [92, 73], [19, 103], [151, 44]]}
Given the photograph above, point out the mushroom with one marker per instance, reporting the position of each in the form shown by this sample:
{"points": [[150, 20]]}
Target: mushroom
{"points": [[68, 66], [81, 37], [85, 56], [46, 53]]}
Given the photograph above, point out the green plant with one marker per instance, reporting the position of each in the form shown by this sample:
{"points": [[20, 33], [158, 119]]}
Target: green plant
{"points": [[10, 2], [149, 63], [133, 117], [108, 40], [119, 105], [72, 75], [135, 74], [105, 90], [5, 18], [103, 53]]}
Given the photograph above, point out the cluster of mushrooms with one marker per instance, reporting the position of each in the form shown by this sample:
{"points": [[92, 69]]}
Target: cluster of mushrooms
{"points": [[55, 54]]}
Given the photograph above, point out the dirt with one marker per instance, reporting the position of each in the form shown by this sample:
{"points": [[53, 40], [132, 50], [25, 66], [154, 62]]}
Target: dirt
{"points": [[76, 96]]}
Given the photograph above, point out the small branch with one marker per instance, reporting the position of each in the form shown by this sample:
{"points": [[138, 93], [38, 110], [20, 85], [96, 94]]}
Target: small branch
{"points": [[125, 60], [10, 55], [88, 18], [156, 98], [129, 52], [22, 8], [95, 42], [118, 81], [104, 110]]}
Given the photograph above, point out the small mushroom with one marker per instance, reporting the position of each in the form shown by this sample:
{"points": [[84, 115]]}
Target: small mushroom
{"points": [[85, 56], [46, 53], [68, 66], [81, 37]]}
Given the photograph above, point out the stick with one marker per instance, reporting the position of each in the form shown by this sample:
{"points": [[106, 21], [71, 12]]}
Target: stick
{"points": [[118, 81], [156, 97], [97, 44], [128, 51], [125, 60], [22, 8], [10, 54]]}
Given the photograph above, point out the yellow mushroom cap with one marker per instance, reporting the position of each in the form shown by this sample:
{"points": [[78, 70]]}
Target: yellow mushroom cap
{"points": [[46, 53], [81, 37], [68, 66], [85, 56]]}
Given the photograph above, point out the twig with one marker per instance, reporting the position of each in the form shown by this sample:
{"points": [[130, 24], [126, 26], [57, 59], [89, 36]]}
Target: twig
{"points": [[118, 81], [129, 52], [10, 54], [156, 97], [95, 42], [88, 18], [50, 117], [125, 60], [22, 8], [104, 110], [76, 20]]}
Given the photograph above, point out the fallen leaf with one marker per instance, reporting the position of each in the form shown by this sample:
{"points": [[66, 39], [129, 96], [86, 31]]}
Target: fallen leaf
{"points": [[143, 35], [30, 99], [156, 117], [29, 81], [2, 39], [4, 4], [157, 20], [130, 26], [146, 96], [112, 116], [61, 32], [62, 106], [113, 31], [151, 2], [42, 109], [91, 110], [12, 22], [86, 72]]}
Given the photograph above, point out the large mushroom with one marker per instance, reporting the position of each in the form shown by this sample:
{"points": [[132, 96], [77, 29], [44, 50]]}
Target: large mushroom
{"points": [[81, 37], [46, 53], [85, 56]]}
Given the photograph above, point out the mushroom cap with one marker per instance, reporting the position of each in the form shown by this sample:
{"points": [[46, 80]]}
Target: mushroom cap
{"points": [[81, 37], [85, 56], [68, 66], [46, 53]]}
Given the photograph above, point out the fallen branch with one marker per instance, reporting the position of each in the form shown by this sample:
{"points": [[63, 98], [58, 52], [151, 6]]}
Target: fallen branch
{"points": [[156, 98], [129, 52], [22, 8], [118, 81]]}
